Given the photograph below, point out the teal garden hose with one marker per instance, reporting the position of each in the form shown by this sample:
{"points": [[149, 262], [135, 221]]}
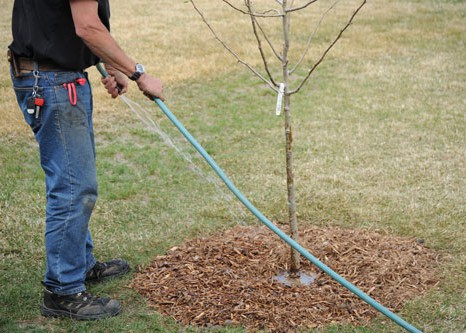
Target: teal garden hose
{"points": [[366, 298]]}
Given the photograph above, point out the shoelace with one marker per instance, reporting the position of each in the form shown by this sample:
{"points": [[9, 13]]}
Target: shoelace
{"points": [[87, 297]]}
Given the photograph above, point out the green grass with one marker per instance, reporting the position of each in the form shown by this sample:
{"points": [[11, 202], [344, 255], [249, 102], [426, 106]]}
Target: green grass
{"points": [[379, 142]]}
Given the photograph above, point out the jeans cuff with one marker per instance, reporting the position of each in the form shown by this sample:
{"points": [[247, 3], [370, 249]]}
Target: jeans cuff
{"points": [[57, 291]]}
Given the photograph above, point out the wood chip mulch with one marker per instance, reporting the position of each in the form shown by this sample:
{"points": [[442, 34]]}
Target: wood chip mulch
{"points": [[231, 278]]}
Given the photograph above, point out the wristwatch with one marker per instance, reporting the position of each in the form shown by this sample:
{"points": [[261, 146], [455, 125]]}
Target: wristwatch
{"points": [[137, 74]]}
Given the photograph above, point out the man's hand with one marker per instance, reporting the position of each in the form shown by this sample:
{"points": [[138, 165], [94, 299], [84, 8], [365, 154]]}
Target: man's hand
{"points": [[115, 83], [151, 86]]}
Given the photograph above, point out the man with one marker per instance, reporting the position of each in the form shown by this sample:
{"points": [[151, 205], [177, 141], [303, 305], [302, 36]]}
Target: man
{"points": [[54, 41]]}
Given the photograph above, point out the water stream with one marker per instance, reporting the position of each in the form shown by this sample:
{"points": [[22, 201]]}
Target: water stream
{"points": [[235, 209]]}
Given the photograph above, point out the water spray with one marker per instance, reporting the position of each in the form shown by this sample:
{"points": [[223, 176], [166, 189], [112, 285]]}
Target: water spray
{"points": [[366, 298]]}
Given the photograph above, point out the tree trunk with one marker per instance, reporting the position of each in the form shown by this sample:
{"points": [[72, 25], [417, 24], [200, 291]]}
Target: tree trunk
{"points": [[295, 258]]}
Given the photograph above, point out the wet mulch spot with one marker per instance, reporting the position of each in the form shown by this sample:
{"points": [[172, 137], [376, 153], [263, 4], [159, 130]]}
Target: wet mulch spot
{"points": [[233, 278]]}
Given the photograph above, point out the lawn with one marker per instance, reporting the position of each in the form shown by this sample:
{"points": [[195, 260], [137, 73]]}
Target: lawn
{"points": [[379, 142]]}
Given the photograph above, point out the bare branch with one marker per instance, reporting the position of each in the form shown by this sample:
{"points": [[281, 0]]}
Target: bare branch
{"points": [[269, 42], [271, 85], [264, 14], [259, 43], [311, 36], [293, 9], [234, 7], [329, 48]]}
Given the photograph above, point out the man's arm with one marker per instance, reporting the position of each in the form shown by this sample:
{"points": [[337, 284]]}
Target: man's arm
{"points": [[96, 36]]}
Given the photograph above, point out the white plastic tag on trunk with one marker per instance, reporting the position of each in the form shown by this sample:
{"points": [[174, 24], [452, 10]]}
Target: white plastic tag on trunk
{"points": [[281, 91]]}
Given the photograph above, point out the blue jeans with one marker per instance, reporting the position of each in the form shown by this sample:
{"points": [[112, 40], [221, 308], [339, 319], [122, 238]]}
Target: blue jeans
{"points": [[66, 143]]}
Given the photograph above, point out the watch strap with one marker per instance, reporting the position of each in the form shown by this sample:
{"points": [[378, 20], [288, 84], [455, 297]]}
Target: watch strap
{"points": [[136, 75]]}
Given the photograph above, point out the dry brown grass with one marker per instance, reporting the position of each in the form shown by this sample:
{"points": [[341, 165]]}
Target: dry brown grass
{"points": [[170, 39]]}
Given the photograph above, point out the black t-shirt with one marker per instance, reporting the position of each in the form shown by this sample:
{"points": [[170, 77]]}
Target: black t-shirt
{"points": [[44, 31]]}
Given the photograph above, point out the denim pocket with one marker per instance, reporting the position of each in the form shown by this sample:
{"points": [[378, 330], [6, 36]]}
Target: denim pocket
{"points": [[23, 95], [58, 111]]}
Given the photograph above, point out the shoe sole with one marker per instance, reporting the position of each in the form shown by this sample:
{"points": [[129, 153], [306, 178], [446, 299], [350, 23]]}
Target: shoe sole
{"points": [[47, 312]]}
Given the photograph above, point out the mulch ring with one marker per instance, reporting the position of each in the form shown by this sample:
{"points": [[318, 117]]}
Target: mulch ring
{"points": [[232, 278]]}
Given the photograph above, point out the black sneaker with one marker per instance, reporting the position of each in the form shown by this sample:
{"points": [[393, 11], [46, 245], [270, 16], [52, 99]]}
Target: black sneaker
{"points": [[81, 306], [107, 270]]}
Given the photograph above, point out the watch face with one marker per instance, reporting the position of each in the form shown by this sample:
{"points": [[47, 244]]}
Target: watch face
{"points": [[139, 68]]}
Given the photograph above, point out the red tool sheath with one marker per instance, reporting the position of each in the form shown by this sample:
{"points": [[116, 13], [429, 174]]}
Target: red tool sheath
{"points": [[71, 87]]}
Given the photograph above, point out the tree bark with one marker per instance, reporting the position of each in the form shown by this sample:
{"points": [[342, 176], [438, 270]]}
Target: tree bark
{"points": [[295, 257], [293, 221]]}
